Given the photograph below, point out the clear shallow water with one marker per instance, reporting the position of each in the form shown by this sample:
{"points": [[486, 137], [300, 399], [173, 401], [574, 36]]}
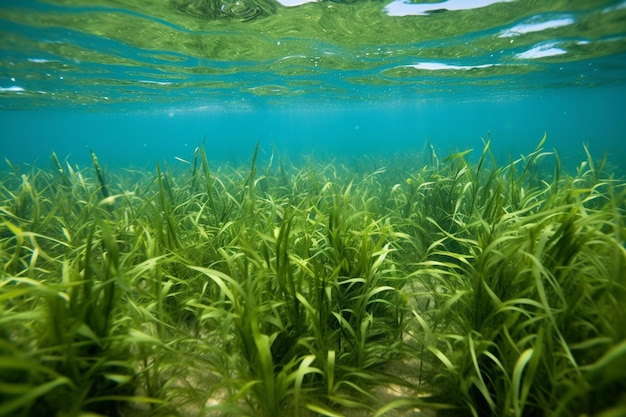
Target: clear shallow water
{"points": [[142, 80], [363, 83]]}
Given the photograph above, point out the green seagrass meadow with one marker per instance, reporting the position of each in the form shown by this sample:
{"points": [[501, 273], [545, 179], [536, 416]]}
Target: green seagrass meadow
{"points": [[410, 287]]}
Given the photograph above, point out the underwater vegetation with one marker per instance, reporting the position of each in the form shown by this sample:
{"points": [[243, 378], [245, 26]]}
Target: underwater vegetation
{"points": [[455, 287]]}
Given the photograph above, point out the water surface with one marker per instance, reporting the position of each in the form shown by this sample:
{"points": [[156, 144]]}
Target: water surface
{"points": [[139, 80]]}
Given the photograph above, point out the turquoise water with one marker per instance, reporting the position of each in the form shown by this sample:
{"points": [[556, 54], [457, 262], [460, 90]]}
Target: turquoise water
{"points": [[140, 81], [155, 279]]}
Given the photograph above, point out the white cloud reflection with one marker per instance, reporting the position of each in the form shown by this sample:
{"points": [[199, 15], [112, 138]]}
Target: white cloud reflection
{"points": [[536, 24], [12, 89], [402, 8], [292, 3], [436, 66], [542, 51]]}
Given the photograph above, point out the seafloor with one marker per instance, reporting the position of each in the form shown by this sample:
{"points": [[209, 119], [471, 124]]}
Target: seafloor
{"points": [[414, 286]]}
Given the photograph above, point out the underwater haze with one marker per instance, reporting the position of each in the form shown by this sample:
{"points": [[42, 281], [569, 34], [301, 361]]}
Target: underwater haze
{"points": [[303, 208]]}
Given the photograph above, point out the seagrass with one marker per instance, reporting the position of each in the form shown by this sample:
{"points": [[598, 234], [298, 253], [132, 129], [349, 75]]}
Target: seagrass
{"points": [[408, 286]]}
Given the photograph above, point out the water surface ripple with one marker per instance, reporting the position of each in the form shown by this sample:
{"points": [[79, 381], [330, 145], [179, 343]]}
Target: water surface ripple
{"points": [[86, 52]]}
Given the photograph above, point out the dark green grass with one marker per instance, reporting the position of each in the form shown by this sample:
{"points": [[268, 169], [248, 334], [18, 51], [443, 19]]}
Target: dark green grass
{"points": [[451, 286]]}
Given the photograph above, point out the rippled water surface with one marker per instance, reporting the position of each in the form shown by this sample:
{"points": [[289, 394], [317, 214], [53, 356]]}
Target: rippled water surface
{"points": [[228, 52], [142, 80]]}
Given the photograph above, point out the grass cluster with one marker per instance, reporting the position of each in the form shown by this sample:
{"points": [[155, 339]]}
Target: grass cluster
{"points": [[462, 287]]}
